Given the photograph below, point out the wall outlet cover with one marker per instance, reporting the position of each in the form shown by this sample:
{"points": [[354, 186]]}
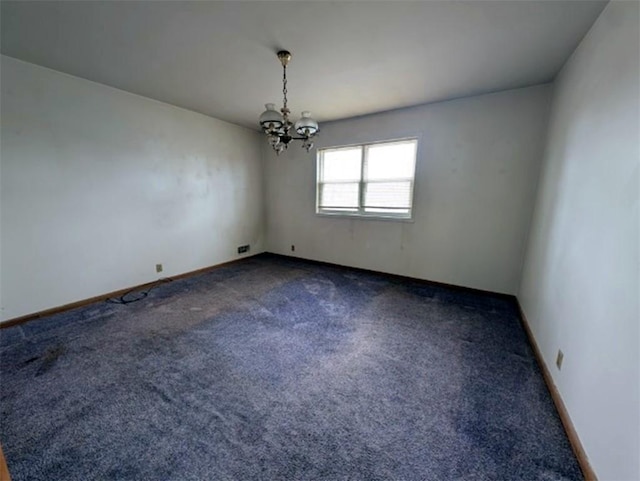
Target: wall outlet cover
{"points": [[158, 267], [243, 249]]}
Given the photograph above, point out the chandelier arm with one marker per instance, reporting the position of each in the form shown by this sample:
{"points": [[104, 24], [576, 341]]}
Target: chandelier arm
{"points": [[295, 138]]}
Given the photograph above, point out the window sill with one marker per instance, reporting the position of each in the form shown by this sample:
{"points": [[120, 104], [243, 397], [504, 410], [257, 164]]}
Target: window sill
{"points": [[385, 218]]}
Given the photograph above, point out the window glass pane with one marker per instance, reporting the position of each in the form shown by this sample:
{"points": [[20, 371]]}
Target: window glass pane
{"points": [[341, 164], [340, 195], [390, 161], [388, 194]]}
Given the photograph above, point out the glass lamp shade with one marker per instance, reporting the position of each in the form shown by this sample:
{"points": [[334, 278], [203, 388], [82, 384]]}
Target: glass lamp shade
{"points": [[271, 119], [306, 126]]}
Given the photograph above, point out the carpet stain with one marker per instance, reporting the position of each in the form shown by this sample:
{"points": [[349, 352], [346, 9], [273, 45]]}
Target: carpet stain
{"points": [[49, 360]]}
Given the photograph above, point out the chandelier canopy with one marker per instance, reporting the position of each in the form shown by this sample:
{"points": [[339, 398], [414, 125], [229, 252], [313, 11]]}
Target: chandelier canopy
{"points": [[277, 125]]}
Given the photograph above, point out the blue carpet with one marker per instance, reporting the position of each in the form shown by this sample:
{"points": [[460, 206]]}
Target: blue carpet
{"points": [[274, 368]]}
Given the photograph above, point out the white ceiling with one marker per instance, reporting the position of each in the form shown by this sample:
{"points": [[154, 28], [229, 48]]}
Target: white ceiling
{"points": [[349, 58]]}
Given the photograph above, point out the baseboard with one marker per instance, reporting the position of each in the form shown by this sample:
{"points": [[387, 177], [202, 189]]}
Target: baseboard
{"points": [[400, 277], [587, 471], [102, 297], [4, 471]]}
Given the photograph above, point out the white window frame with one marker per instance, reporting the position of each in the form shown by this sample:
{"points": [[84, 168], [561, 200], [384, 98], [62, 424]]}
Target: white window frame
{"points": [[360, 212]]}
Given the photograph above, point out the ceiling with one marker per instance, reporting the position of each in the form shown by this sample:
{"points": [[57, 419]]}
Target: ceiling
{"points": [[349, 58]]}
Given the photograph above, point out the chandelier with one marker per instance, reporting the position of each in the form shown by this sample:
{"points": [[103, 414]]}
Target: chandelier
{"points": [[277, 125]]}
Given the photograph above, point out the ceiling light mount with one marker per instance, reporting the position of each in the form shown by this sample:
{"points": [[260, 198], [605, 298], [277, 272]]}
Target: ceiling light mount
{"points": [[277, 125], [285, 57]]}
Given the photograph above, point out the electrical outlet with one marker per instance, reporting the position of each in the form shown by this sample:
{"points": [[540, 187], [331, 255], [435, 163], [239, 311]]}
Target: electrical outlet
{"points": [[243, 249], [559, 359], [158, 267], [293, 248]]}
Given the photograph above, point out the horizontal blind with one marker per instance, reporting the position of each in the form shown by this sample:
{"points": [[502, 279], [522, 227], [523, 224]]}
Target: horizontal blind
{"points": [[388, 194], [339, 195]]}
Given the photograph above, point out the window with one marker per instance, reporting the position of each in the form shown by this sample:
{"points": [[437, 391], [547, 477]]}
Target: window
{"points": [[371, 180]]}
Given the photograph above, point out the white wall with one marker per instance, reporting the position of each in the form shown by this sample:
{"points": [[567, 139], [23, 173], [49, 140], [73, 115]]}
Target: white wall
{"points": [[580, 284], [478, 162], [99, 185]]}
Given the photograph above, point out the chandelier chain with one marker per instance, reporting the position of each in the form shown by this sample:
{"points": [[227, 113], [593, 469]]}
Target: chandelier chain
{"points": [[284, 85]]}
